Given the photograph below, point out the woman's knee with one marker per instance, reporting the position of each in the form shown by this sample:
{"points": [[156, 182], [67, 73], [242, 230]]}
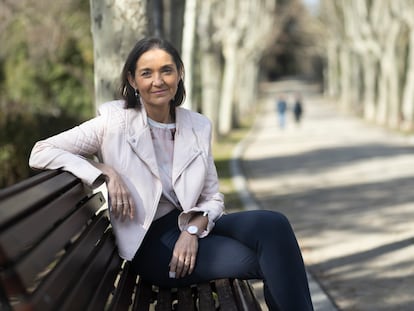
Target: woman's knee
{"points": [[272, 222], [272, 218]]}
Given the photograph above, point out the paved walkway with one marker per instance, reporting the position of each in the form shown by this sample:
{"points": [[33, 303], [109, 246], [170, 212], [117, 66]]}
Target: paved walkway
{"points": [[348, 189]]}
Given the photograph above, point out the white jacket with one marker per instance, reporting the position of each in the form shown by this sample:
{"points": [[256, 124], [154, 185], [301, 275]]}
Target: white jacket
{"points": [[121, 137]]}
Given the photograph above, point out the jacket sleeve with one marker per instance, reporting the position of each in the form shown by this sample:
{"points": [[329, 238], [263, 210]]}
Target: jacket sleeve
{"points": [[68, 151], [210, 199]]}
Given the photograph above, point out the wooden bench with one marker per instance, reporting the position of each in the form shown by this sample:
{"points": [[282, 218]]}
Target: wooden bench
{"points": [[57, 252]]}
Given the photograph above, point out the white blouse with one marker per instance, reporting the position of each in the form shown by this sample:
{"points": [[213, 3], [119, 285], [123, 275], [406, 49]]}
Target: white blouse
{"points": [[163, 139]]}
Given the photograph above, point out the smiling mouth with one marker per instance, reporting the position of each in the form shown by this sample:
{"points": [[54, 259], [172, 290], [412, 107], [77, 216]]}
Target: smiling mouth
{"points": [[160, 92]]}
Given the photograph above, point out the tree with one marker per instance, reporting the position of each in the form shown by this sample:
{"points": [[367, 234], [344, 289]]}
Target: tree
{"points": [[404, 10], [116, 26], [46, 73], [262, 14], [373, 60], [210, 60], [188, 47]]}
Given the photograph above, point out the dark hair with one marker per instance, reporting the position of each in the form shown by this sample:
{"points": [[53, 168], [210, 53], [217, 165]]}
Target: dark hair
{"points": [[142, 46]]}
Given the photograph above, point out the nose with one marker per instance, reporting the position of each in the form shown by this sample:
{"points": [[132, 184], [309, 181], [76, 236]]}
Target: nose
{"points": [[158, 81]]}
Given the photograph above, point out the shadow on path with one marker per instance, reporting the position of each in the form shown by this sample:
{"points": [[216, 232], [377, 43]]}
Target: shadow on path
{"points": [[347, 188]]}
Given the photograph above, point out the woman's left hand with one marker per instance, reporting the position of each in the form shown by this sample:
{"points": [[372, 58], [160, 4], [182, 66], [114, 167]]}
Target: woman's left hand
{"points": [[184, 255]]}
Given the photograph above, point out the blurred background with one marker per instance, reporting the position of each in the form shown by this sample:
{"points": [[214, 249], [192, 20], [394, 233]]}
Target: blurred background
{"points": [[60, 59]]}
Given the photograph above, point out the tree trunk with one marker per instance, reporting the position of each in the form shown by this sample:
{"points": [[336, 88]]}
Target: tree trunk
{"points": [[174, 18], [370, 74], [210, 67], [388, 97], [260, 13], [210, 77], [332, 71], [408, 93], [156, 20], [345, 68], [116, 26], [188, 50], [229, 79]]}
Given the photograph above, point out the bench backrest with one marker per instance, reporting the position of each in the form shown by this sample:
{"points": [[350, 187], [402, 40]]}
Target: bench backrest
{"points": [[57, 251]]}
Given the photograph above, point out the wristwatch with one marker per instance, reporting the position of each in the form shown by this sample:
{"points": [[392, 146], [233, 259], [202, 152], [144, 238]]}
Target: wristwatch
{"points": [[192, 230]]}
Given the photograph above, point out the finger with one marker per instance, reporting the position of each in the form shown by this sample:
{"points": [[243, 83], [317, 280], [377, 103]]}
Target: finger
{"points": [[192, 265], [117, 207], [180, 267], [173, 266], [187, 267], [131, 208], [125, 206], [184, 271]]}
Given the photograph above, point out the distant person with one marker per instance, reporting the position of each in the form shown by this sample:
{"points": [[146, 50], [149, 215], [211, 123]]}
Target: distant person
{"points": [[281, 108], [298, 109]]}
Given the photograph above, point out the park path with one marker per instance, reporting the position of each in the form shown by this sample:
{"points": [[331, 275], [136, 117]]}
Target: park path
{"points": [[348, 189]]}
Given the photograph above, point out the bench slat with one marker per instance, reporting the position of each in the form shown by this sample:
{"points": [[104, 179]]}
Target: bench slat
{"points": [[69, 269], [225, 295], [164, 300], [24, 201], [245, 296], [106, 286], [27, 183], [205, 296], [17, 239], [185, 299], [43, 254], [88, 280], [122, 298], [143, 296]]}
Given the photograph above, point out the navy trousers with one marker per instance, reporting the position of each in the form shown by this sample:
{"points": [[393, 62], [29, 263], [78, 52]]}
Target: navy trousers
{"points": [[246, 245]]}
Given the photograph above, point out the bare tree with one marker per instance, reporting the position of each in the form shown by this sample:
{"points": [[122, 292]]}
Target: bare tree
{"points": [[188, 48], [210, 56], [231, 26], [156, 14], [174, 20], [116, 26], [376, 65], [404, 10]]}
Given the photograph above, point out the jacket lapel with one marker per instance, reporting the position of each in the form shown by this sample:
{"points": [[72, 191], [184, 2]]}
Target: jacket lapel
{"points": [[140, 140], [185, 146]]}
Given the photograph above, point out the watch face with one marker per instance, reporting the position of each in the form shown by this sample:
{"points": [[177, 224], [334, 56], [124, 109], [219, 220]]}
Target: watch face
{"points": [[192, 229]]}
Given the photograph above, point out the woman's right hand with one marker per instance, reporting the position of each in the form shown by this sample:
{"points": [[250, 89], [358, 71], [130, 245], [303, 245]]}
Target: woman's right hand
{"points": [[120, 200]]}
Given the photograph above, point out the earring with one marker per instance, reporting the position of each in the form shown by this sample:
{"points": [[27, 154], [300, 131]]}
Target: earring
{"points": [[136, 93]]}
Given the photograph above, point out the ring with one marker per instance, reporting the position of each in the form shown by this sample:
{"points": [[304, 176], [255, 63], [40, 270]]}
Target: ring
{"points": [[120, 204]]}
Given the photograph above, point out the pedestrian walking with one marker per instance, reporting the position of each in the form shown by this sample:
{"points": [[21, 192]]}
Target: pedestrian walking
{"points": [[281, 107], [298, 108]]}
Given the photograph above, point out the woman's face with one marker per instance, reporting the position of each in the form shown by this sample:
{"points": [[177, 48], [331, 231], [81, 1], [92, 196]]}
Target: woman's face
{"points": [[156, 78]]}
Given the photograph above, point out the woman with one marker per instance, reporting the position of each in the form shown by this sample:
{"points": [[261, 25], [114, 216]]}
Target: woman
{"points": [[165, 206]]}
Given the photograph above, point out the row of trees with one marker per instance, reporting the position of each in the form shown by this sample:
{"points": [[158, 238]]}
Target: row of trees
{"points": [[62, 58], [222, 44], [370, 59]]}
